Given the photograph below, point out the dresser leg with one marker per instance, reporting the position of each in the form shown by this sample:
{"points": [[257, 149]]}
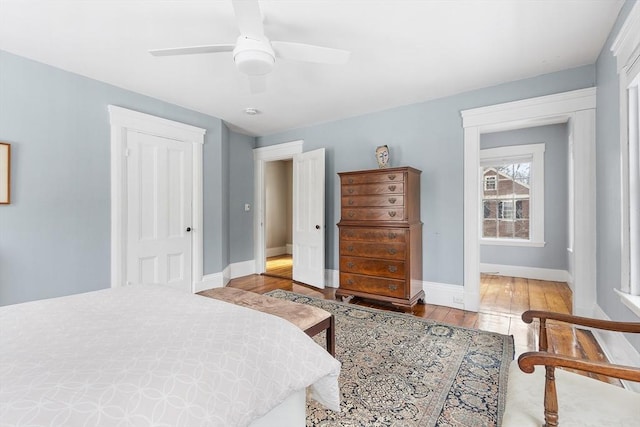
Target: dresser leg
{"points": [[347, 298]]}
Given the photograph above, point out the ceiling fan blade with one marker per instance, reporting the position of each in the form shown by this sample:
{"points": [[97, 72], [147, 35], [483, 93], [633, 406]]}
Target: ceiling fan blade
{"points": [[248, 17], [310, 53], [258, 84], [212, 48]]}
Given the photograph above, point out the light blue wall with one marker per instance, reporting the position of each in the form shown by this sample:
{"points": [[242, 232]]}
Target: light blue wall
{"points": [[241, 180], [608, 200], [554, 254], [427, 136], [55, 235]]}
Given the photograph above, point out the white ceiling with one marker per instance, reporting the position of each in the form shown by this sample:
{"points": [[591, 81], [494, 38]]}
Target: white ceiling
{"points": [[403, 51]]}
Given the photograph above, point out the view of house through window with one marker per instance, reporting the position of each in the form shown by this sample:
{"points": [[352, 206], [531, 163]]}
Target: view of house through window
{"points": [[505, 199]]}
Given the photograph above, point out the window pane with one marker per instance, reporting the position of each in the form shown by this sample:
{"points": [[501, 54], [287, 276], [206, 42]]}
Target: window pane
{"points": [[505, 198]]}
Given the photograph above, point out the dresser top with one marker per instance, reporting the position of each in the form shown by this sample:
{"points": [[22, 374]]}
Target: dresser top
{"points": [[383, 170]]}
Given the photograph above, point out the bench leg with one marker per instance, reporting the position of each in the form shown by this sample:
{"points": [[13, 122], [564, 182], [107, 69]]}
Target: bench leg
{"points": [[331, 336]]}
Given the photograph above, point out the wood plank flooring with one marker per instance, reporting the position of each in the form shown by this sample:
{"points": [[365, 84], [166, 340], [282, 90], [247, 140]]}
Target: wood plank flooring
{"points": [[279, 266], [503, 300]]}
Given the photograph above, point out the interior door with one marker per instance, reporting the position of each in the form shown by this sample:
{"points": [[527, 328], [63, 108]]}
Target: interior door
{"points": [[159, 189], [308, 218]]}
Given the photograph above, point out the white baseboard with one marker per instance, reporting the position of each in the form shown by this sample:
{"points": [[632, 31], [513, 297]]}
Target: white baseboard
{"points": [[210, 281], [526, 272], [331, 278], [281, 250], [616, 347], [244, 268], [289, 248], [444, 294]]}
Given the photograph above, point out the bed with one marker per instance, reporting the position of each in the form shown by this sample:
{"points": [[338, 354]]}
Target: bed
{"points": [[150, 355]]}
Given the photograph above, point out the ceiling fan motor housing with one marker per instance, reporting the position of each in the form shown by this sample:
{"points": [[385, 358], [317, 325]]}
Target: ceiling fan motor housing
{"points": [[254, 56]]}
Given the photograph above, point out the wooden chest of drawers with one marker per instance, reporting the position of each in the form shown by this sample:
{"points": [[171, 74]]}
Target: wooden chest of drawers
{"points": [[381, 235]]}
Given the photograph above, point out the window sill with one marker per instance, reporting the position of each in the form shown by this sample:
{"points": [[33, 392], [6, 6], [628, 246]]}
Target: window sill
{"points": [[513, 242], [631, 301]]}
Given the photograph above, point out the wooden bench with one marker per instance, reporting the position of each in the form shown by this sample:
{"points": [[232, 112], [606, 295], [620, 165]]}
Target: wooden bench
{"points": [[312, 320]]}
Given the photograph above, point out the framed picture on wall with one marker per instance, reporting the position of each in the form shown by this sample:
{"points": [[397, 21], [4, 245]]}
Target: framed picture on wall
{"points": [[5, 173]]}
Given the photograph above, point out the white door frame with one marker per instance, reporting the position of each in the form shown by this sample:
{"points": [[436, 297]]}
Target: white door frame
{"points": [[121, 121], [576, 108], [261, 156]]}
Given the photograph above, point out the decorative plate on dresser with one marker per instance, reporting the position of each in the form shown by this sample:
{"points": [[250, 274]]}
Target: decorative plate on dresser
{"points": [[381, 236]]}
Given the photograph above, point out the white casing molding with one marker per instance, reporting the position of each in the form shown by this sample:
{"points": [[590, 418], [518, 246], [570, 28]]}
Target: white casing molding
{"points": [[535, 273], [123, 120], [578, 109], [260, 157]]}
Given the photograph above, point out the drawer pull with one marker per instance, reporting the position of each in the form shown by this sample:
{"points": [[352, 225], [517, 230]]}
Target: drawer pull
{"points": [[393, 268], [392, 188], [350, 201], [350, 191], [392, 235], [350, 281], [350, 180], [350, 264], [392, 177], [350, 248], [392, 200], [392, 251], [392, 213], [351, 214], [393, 287]]}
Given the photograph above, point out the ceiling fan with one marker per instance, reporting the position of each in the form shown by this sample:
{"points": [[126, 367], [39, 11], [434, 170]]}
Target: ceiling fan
{"points": [[254, 54]]}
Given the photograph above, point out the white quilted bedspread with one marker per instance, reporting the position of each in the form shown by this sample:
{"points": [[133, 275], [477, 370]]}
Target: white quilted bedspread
{"points": [[152, 356]]}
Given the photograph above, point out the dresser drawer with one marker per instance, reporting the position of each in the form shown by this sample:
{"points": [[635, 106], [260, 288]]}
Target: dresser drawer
{"points": [[372, 178], [372, 189], [386, 200], [374, 285], [373, 267], [393, 235], [395, 251], [373, 214]]}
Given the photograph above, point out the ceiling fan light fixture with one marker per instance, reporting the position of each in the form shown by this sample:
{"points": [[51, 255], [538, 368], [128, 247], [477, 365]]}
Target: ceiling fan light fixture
{"points": [[254, 62]]}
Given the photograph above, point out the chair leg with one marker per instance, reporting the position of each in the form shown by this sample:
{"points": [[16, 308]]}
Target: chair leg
{"points": [[550, 399]]}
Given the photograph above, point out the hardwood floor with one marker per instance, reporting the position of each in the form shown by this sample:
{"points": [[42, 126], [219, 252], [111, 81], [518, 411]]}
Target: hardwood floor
{"points": [[503, 300], [280, 266]]}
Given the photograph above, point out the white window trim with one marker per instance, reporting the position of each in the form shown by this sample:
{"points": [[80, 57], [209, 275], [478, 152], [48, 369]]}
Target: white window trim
{"points": [[511, 154], [626, 49]]}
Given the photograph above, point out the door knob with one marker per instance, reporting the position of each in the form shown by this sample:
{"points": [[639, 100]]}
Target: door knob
{"points": [[188, 229]]}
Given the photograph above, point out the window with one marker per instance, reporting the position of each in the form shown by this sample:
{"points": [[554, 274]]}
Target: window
{"points": [[490, 183], [505, 211], [626, 49], [513, 195]]}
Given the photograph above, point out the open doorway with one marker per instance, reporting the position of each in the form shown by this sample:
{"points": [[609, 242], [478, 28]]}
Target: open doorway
{"points": [[278, 180], [525, 196], [577, 109], [308, 196]]}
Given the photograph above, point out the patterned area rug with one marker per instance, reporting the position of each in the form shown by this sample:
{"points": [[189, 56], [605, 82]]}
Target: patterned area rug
{"points": [[401, 370]]}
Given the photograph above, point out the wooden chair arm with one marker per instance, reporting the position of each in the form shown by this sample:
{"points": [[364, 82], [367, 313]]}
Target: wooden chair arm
{"points": [[528, 361], [608, 325]]}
